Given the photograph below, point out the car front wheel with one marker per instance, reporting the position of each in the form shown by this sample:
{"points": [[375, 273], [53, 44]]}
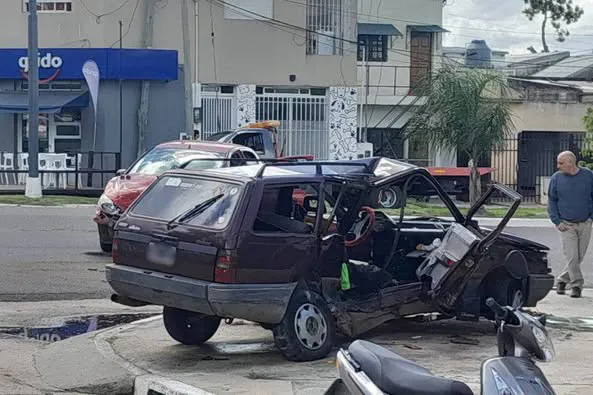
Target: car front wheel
{"points": [[307, 331], [105, 237], [188, 327], [506, 290]]}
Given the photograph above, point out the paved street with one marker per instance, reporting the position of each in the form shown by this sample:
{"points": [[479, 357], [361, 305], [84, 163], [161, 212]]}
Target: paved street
{"points": [[550, 237], [50, 253], [53, 253]]}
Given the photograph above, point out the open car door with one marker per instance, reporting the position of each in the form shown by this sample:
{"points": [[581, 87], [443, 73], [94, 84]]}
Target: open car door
{"points": [[462, 249]]}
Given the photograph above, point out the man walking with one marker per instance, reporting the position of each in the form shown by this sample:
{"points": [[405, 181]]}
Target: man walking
{"points": [[570, 206]]}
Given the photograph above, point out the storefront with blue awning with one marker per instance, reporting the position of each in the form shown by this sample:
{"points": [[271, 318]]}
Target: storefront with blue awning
{"points": [[66, 119]]}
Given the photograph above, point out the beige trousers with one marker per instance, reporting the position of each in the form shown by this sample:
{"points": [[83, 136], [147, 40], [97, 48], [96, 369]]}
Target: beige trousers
{"points": [[575, 240]]}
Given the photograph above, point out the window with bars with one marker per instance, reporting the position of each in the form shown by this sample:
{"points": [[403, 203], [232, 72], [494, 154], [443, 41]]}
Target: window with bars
{"points": [[325, 27], [50, 6], [373, 47]]}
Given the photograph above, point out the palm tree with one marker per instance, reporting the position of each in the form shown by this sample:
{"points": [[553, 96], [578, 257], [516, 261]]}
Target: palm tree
{"points": [[466, 110]]}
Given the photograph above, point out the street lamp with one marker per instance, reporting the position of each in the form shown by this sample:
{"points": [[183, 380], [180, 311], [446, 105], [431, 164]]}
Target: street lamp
{"points": [[33, 187]]}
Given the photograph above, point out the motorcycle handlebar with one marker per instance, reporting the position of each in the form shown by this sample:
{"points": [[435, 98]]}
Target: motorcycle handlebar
{"points": [[498, 310]]}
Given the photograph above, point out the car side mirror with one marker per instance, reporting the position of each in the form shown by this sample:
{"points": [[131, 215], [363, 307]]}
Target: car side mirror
{"points": [[120, 172]]}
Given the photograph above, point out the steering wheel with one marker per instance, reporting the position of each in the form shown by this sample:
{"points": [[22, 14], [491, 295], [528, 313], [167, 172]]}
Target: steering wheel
{"points": [[362, 228]]}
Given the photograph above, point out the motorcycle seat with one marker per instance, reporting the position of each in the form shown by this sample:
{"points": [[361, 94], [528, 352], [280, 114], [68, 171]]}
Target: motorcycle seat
{"points": [[396, 375]]}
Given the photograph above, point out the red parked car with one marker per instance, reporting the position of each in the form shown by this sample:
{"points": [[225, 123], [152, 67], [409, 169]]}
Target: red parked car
{"points": [[129, 183]]}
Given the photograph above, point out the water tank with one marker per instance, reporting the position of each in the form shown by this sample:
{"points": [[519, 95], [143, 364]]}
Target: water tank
{"points": [[478, 54]]}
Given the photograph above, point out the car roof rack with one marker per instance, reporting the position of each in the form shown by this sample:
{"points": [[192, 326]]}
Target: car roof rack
{"points": [[318, 167]]}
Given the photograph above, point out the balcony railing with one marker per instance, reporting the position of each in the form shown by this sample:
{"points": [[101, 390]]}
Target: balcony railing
{"points": [[390, 80]]}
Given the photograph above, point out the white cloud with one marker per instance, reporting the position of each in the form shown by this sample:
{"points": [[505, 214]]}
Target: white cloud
{"points": [[504, 27]]}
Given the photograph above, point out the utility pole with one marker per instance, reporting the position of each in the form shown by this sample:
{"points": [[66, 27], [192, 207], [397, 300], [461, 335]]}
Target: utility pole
{"points": [[121, 98], [33, 187], [145, 95], [187, 80]]}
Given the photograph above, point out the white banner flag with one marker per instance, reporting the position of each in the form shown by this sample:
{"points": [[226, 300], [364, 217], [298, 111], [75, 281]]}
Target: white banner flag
{"points": [[90, 70]]}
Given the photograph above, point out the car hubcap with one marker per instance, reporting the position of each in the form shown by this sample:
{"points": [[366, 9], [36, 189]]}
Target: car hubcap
{"points": [[310, 326]]}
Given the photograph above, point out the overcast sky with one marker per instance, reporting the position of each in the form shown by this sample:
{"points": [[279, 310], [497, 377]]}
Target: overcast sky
{"points": [[504, 27]]}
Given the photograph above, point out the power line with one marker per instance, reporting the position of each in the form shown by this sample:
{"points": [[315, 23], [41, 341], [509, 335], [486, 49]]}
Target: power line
{"points": [[129, 24], [281, 24], [385, 18], [563, 47], [99, 16]]}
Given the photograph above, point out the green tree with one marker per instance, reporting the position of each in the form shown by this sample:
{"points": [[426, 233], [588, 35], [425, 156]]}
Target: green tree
{"points": [[557, 11], [466, 110], [587, 151]]}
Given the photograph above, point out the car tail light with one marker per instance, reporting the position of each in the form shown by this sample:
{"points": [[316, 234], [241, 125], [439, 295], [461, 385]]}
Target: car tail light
{"points": [[225, 270], [450, 262], [115, 250]]}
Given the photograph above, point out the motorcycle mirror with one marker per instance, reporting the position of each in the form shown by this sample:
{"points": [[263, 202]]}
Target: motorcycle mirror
{"points": [[518, 300]]}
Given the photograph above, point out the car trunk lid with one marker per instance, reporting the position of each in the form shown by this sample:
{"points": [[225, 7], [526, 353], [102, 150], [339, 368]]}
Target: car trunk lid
{"points": [[154, 235]]}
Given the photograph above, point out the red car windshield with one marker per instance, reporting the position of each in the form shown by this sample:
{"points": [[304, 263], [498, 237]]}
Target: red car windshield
{"points": [[159, 160]]}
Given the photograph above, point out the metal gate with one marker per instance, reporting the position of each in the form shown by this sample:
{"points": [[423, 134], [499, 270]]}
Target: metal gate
{"points": [[303, 121], [218, 114], [524, 162]]}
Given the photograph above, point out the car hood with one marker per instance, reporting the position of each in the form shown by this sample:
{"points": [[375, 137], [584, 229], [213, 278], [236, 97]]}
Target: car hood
{"points": [[123, 190], [517, 241], [522, 242]]}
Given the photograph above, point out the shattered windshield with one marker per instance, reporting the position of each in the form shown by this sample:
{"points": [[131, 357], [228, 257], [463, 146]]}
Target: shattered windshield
{"points": [[158, 160]]}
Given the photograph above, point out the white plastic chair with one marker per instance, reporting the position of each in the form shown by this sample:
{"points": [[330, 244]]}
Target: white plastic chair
{"points": [[53, 162], [7, 164], [71, 167], [23, 165]]}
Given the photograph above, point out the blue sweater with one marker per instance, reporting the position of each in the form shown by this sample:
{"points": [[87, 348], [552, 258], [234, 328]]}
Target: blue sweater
{"points": [[570, 198]]}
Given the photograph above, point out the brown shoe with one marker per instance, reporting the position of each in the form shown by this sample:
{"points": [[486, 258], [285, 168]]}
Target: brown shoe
{"points": [[576, 292], [561, 288]]}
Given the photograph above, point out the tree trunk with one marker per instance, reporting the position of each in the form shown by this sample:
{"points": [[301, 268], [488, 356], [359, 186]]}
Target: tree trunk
{"points": [[544, 43], [475, 183]]}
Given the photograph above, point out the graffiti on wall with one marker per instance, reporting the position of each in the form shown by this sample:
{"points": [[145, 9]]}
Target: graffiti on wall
{"points": [[343, 119], [245, 104]]}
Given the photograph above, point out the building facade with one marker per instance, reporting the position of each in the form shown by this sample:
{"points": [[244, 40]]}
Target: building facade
{"points": [[399, 45], [294, 61], [289, 60]]}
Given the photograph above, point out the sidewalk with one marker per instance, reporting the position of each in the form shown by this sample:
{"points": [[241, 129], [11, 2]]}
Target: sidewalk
{"points": [[241, 358]]}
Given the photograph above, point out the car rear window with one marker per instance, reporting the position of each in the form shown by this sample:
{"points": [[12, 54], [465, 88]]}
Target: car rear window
{"points": [[172, 196]]}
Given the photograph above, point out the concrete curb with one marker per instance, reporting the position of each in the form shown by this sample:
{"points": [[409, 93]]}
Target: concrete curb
{"points": [[144, 382], [153, 385]]}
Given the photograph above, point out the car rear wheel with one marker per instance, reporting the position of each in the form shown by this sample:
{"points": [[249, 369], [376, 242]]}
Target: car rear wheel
{"points": [[188, 327], [307, 331]]}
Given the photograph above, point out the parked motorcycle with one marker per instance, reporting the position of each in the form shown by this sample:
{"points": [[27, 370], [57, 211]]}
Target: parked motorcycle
{"points": [[366, 368]]}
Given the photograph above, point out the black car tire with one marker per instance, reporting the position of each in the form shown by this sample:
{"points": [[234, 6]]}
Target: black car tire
{"points": [[106, 247], [105, 238], [307, 331], [503, 288], [188, 327]]}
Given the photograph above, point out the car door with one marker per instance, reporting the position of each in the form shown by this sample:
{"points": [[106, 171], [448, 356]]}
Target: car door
{"points": [[277, 245], [462, 250]]}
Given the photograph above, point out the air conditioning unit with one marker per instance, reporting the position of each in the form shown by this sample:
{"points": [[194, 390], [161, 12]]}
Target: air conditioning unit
{"points": [[325, 42], [364, 150]]}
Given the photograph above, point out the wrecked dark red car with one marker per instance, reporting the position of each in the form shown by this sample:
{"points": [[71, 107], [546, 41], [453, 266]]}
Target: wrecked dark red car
{"points": [[308, 250], [123, 189]]}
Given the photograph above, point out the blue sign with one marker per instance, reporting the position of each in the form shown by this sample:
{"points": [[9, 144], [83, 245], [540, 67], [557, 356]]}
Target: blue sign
{"points": [[66, 64]]}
